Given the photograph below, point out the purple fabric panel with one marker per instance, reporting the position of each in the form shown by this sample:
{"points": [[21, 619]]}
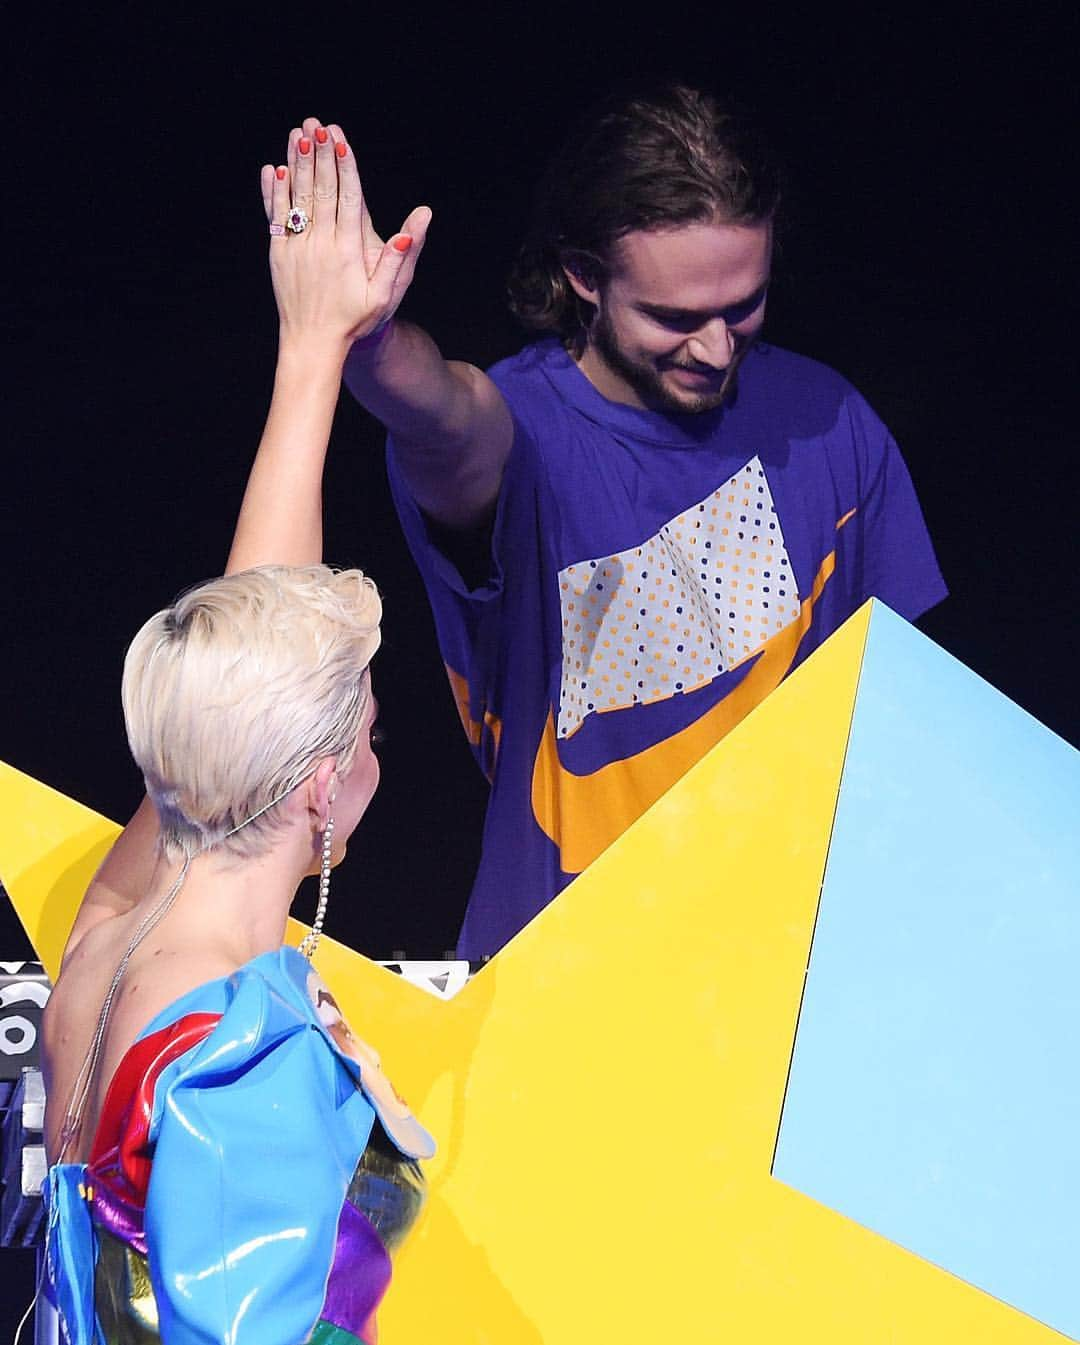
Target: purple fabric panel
{"points": [[123, 1221], [359, 1274]]}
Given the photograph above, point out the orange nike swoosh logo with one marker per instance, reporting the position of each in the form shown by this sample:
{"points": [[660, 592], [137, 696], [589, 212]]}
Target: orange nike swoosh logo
{"points": [[584, 814], [483, 735]]}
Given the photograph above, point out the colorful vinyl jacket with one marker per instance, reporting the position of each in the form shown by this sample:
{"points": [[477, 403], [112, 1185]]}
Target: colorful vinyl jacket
{"points": [[251, 1173]]}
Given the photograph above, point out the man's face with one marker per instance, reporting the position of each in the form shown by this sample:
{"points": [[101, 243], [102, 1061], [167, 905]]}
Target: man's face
{"points": [[678, 311]]}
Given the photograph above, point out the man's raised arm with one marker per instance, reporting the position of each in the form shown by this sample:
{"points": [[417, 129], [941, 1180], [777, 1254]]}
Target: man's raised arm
{"points": [[451, 428]]}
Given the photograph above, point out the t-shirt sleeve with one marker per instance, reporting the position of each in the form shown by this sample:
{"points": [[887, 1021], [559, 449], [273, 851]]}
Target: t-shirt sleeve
{"points": [[256, 1134], [896, 559], [469, 611]]}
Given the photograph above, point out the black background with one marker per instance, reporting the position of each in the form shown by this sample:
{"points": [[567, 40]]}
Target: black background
{"points": [[927, 255]]}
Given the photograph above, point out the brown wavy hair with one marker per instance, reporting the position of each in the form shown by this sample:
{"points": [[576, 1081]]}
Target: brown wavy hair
{"points": [[668, 157]]}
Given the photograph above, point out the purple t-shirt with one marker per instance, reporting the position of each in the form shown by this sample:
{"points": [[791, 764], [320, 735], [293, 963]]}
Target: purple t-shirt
{"points": [[653, 577]]}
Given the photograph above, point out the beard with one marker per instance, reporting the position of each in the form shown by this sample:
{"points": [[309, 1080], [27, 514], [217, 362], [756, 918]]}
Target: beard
{"points": [[648, 381]]}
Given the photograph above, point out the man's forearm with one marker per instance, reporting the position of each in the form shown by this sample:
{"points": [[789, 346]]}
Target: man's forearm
{"points": [[450, 426], [403, 380]]}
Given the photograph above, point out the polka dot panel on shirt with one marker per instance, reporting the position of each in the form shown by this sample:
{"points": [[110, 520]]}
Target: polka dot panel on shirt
{"points": [[691, 602]]}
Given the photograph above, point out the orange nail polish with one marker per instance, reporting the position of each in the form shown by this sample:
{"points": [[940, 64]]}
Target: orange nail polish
{"points": [[341, 149], [321, 134], [280, 174], [304, 146], [402, 244]]}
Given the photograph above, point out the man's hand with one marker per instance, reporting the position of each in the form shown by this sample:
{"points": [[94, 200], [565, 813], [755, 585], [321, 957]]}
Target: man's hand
{"points": [[337, 279]]}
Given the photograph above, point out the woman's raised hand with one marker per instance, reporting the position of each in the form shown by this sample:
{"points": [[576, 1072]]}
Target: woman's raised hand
{"points": [[333, 276]]}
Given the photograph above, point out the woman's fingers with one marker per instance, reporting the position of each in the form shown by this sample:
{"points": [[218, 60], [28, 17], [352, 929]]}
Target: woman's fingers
{"points": [[416, 226], [280, 193], [290, 158], [305, 132], [354, 220], [350, 202], [326, 178], [394, 270], [266, 185], [363, 277], [303, 174]]}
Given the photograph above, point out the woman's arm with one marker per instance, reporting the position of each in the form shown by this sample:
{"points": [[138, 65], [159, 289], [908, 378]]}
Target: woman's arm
{"points": [[280, 517], [333, 283], [322, 308]]}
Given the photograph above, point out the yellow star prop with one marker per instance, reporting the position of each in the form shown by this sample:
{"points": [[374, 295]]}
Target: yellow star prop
{"points": [[607, 1091]]}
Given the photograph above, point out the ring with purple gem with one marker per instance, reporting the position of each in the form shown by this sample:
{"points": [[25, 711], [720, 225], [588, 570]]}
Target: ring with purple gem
{"points": [[296, 221]]}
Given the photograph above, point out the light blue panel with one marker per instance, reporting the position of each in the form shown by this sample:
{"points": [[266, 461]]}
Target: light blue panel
{"points": [[935, 1087]]}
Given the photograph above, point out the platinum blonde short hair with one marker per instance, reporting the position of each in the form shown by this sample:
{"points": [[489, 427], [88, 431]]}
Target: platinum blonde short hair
{"points": [[235, 693]]}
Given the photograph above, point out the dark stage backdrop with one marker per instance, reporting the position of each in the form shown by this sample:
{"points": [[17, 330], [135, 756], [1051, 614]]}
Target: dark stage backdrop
{"points": [[927, 255]]}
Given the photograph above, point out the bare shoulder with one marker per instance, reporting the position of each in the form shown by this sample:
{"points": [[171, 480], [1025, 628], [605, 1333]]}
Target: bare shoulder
{"points": [[159, 972], [158, 975], [122, 880], [161, 976]]}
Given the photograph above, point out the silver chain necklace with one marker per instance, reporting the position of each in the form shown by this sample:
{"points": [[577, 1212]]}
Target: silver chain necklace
{"points": [[84, 1079]]}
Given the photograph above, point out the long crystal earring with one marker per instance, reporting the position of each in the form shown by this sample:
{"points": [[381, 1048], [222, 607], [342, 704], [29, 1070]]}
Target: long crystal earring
{"points": [[311, 940]]}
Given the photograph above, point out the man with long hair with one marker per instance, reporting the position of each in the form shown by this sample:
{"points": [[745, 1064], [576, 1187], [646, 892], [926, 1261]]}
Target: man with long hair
{"points": [[674, 513]]}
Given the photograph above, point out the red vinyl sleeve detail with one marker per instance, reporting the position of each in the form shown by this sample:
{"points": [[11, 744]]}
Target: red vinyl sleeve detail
{"points": [[120, 1158]]}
